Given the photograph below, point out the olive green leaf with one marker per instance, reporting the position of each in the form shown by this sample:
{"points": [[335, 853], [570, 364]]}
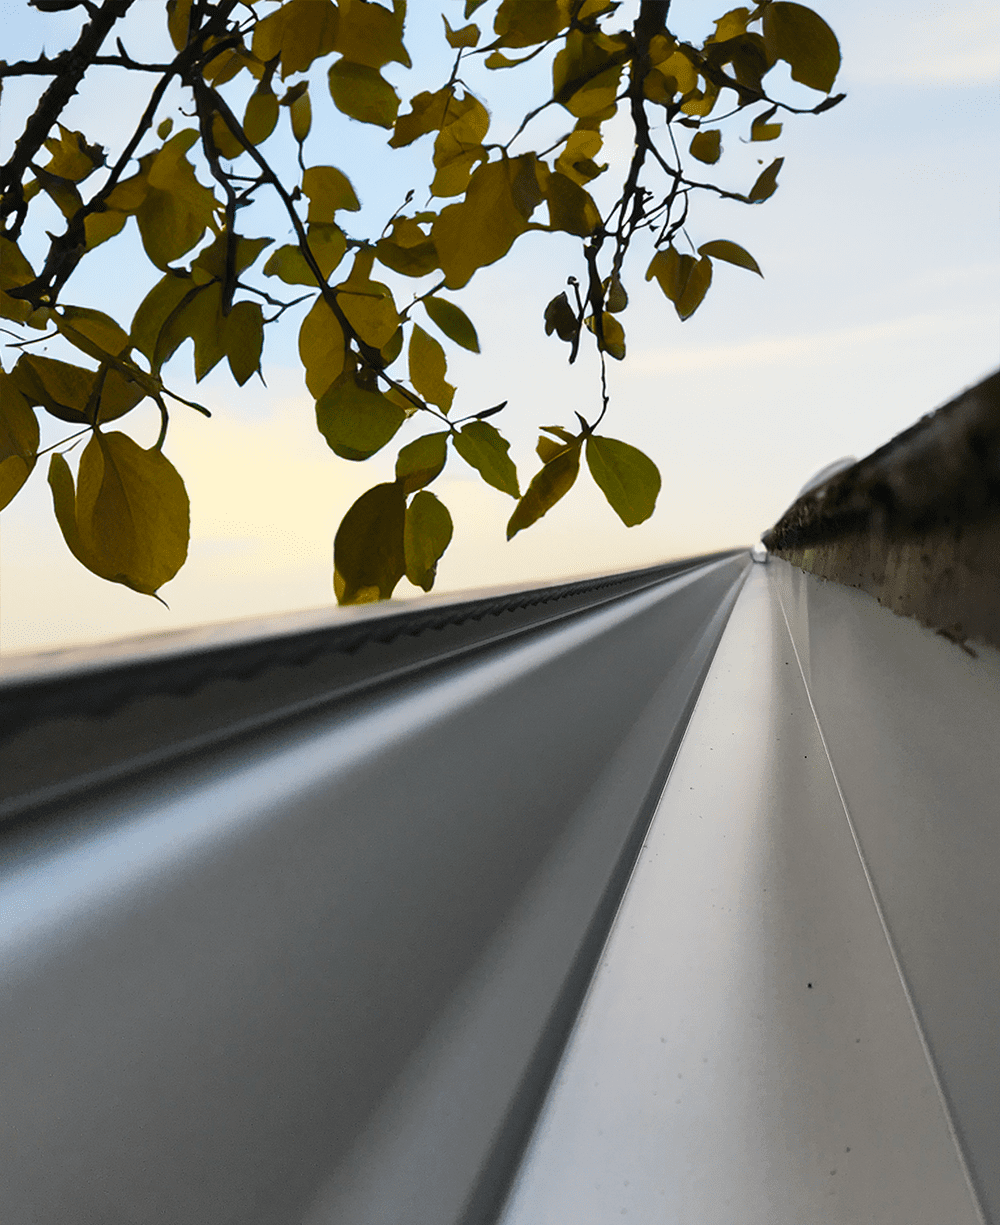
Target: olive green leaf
{"points": [[368, 551], [156, 308], [571, 207], [802, 39], [321, 347], [128, 519], [300, 31], [732, 253], [762, 129], [363, 93], [485, 449], [427, 532], [467, 36], [561, 318], [767, 182], [261, 114], [453, 321], [65, 390], [547, 487], [627, 478], [356, 420], [707, 146], [614, 334], [371, 35], [421, 461], [328, 189], [243, 339], [682, 278], [176, 209], [428, 367], [18, 439]]}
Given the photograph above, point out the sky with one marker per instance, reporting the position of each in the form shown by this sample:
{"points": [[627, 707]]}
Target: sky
{"points": [[880, 301]]}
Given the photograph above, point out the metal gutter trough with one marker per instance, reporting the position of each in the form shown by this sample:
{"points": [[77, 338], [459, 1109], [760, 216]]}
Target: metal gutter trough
{"points": [[666, 897]]}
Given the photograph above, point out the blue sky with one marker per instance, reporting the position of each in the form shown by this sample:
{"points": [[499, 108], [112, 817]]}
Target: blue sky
{"points": [[881, 254]]}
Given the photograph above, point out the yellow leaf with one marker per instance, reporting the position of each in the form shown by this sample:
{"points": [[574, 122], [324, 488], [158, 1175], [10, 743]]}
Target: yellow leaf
{"points": [[368, 304], [587, 71], [427, 532], [799, 36], [226, 143], [467, 36], [301, 31], [72, 158], [178, 22], [628, 479], [18, 439], [15, 271], [767, 182], [485, 449], [730, 25], [452, 179], [261, 114], [614, 335], [453, 321], [547, 487], [428, 368], [128, 195], [368, 551], [707, 146], [407, 249], [522, 23], [482, 228], [177, 209], [576, 161], [421, 461], [243, 339], [199, 316], [329, 190], [131, 513], [371, 35], [328, 245], [64, 390], [356, 420], [99, 227], [732, 253], [570, 207], [701, 103], [154, 310], [682, 278], [762, 129], [363, 93], [321, 347], [96, 326], [426, 114], [301, 115]]}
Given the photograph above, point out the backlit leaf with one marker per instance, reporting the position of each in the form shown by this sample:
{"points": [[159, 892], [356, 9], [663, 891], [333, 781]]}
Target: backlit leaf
{"points": [[802, 38], [72, 157], [614, 335], [321, 347], [356, 421], [485, 449], [301, 115], [522, 23], [243, 338], [576, 161], [627, 478], [547, 487], [467, 36], [453, 321], [426, 114], [362, 93], [64, 390], [427, 532], [762, 128], [261, 115], [482, 228], [97, 327], [177, 209], [199, 317], [407, 249], [154, 310], [99, 227], [732, 253], [421, 461], [571, 207], [178, 22], [368, 550], [300, 31], [561, 318], [767, 182], [707, 146], [368, 304], [328, 189], [18, 439], [15, 271], [370, 34], [128, 519], [227, 144], [682, 278], [587, 71], [428, 368]]}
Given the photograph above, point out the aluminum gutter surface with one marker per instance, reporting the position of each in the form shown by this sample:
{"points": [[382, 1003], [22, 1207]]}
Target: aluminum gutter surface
{"points": [[767, 1039], [321, 971]]}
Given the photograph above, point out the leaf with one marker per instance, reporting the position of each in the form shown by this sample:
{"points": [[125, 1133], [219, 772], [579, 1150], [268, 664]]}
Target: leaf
{"points": [[321, 347], [261, 115], [548, 448], [547, 487], [227, 144], [427, 532], [707, 146], [95, 326], [15, 271], [617, 299], [483, 227], [627, 478], [18, 439], [301, 115], [300, 31], [561, 319], [243, 339], [368, 550], [428, 368], [614, 335], [426, 114], [392, 349], [732, 253], [586, 73], [178, 22], [570, 207], [576, 161], [682, 278], [762, 129], [328, 189], [64, 390], [467, 36], [767, 182], [421, 461], [804, 41], [371, 35], [72, 157], [522, 23], [128, 520], [368, 305], [485, 449], [407, 250], [453, 321], [177, 209], [98, 227], [199, 317], [154, 310], [356, 421], [362, 93]]}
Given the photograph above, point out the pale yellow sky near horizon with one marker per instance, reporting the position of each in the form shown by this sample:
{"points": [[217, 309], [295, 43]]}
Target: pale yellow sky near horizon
{"points": [[881, 255]]}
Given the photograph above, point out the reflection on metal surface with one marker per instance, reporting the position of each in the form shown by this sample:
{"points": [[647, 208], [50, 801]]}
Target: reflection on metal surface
{"points": [[747, 1051]]}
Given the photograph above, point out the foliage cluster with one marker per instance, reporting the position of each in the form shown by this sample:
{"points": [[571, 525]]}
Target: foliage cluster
{"points": [[371, 360]]}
